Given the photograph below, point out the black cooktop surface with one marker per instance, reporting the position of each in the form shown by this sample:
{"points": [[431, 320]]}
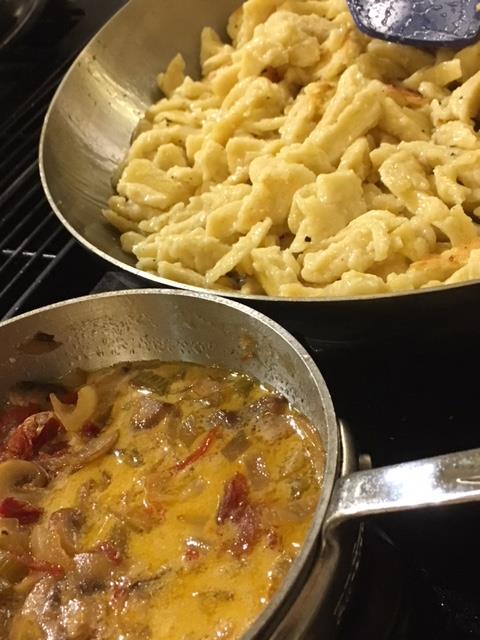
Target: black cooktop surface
{"points": [[419, 577]]}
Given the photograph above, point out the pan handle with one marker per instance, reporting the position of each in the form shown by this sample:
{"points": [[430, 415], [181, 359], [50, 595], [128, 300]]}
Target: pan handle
{"points": [[449, 479]]}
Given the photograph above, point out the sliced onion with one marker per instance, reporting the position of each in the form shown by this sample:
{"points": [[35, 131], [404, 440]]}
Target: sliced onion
{"points": [[24, 587], [274, 427], [11, 568], [188, 430], [227, 419], [20, 478], [257, 471], [66, 523], [198, 544], [295, 512], [46, 545], [12, 537], [294, 464], [150, 411], [74, 418]]}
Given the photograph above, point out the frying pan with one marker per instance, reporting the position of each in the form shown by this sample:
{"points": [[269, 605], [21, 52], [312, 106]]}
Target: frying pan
{"points": [[101, 330], [87, 132]]}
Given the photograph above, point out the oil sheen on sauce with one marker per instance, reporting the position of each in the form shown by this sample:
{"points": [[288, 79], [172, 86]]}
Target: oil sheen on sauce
{"points": [[159, 501]]}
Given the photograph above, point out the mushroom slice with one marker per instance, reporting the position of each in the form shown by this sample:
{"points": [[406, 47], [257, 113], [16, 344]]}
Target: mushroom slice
{"points": [[95, 449], [12, 537], [92, 571]]}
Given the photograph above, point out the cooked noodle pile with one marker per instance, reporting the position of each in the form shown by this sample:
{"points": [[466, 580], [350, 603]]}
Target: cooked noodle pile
{"points": [[308, 161]]}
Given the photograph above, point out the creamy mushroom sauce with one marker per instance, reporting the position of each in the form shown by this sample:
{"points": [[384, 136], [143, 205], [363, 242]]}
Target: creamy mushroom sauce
{"points": [[151, 501]]}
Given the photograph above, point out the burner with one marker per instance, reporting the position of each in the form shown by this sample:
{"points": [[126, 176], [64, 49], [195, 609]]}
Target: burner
{"points": [[393, 599], [378, 597], [16, 16]]}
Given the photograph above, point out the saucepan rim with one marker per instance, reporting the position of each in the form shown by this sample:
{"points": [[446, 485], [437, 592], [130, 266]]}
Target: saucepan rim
{"points": [[309, 553]]}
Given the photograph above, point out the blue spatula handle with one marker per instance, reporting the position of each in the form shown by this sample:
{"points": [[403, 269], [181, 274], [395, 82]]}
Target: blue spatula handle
{"points": [[450, 23]]}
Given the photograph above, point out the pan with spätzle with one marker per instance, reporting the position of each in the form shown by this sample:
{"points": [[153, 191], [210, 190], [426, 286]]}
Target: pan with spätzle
{"points": [[307, 161]]}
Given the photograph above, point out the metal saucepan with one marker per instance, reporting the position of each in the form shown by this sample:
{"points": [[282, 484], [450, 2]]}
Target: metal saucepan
{"points": [[87, 132], [101, 330]]}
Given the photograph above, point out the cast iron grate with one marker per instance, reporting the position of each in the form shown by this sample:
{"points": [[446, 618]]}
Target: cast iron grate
{"points": [[38, 259], [31, 237]]}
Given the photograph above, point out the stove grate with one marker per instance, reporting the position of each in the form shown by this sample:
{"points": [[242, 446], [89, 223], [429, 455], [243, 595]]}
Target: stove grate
{"points": [[31, 238]]}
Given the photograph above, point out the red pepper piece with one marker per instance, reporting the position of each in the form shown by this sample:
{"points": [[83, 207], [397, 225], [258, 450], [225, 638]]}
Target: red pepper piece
{"points": [[191, 554], [200, 451], [19, 445], [111, 552], [24, 512], [119, 596], [34, 564]]}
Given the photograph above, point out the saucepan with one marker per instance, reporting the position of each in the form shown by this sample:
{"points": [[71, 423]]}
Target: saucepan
{"points": [[87, 132], [100, 330]]}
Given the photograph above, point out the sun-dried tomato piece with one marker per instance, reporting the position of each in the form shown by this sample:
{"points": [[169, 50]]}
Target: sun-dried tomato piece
{"points": [[31, 435], [234, 499], [247, 531], [46, 433], [24, 512], [235, 506]]}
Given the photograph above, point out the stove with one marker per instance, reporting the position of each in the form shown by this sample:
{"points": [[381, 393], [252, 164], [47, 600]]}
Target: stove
{"points": [[418, 575]]}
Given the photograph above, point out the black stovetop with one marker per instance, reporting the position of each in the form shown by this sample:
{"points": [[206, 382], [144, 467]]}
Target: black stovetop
{"points": [[419, 576]]}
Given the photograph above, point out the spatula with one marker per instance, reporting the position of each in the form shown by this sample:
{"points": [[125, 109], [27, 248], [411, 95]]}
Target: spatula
{"points": [[422, 23]]}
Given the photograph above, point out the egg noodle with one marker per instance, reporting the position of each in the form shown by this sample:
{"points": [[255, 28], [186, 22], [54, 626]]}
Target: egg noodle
{"points": [[308, 161]]}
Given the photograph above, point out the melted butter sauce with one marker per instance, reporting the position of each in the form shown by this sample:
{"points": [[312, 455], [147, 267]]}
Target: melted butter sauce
{"points": [[184, 575]]}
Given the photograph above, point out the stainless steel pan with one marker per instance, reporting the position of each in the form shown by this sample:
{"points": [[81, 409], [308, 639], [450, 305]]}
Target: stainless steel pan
{"points": [[87, 132], [101, 330]]}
